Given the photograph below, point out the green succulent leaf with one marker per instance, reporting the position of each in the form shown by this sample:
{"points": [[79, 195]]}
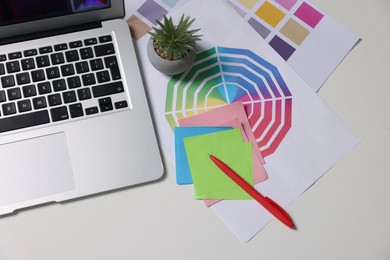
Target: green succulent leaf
{"points": [[174, 41]]}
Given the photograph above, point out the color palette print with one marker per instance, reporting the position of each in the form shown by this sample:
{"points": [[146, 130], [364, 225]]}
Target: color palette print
{"points": [[147, 14], [223, 75], [311, 42]]}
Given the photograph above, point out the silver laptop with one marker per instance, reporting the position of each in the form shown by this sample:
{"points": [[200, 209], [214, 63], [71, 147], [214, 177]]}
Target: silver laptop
{"points": [[74, 118]]}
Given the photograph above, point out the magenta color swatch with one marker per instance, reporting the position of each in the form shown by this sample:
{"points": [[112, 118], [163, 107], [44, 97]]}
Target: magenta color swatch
{"points": [[308, 14], [288, 4]]}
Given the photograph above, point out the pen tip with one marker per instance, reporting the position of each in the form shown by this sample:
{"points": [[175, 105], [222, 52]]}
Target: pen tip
{"points": [[292, 226]]}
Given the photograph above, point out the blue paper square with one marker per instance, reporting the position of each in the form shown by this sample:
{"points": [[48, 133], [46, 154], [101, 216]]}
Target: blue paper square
{"points": [[183, 173]]}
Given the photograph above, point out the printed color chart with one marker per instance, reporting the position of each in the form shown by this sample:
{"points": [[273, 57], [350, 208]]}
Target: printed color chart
{"points": [[285, 24], [312, 43], [222, 76], [147, 14]]}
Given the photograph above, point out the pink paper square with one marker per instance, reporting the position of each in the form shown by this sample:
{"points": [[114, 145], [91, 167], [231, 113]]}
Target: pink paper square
{"points": [[308, 14]]}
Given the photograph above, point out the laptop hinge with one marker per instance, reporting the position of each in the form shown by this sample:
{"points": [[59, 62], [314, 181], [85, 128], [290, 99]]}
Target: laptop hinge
{"points": [[48, 33]]}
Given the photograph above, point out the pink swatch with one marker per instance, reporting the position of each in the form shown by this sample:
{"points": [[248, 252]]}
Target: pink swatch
{"points": [[288, 4], [308, 14]]}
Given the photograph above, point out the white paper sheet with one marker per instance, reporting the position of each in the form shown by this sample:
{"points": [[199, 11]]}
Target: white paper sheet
{"points": [[316, 140], [311, 41]]}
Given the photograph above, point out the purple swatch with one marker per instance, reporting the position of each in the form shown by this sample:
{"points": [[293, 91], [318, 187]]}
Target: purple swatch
{"points": [[152, 11], [238, 10], [308, 14], [284, 49], [259, 28]]}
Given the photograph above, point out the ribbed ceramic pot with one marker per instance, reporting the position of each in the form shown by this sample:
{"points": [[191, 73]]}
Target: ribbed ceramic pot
{"points": [[169, 67]]}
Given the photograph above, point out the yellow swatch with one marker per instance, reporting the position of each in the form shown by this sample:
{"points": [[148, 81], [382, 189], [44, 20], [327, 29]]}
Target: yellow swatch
{"points": [[270, 14], [248, 3]]}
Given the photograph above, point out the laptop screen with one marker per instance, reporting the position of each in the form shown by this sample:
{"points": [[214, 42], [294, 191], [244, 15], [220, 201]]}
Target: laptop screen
{"points": [[18, 11]]}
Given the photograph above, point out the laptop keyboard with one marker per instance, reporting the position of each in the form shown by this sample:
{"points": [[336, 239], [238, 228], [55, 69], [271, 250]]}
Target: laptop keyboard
{"points": [[59, 83]]}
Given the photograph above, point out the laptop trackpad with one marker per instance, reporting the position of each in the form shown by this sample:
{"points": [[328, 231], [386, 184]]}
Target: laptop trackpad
{"points": [[34, 168]]}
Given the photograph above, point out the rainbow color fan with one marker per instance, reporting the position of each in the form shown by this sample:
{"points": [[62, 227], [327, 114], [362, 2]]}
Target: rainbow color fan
{"points": [[222, 76]]}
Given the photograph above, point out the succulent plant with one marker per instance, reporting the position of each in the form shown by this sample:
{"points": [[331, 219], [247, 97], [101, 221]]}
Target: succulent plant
{"points": [[173, 42]]}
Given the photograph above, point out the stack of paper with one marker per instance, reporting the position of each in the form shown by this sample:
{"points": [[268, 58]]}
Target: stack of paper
{"points": [[298, 135]]}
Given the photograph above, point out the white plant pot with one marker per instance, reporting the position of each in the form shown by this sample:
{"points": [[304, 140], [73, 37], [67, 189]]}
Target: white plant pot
{"points": [[169, 67]]}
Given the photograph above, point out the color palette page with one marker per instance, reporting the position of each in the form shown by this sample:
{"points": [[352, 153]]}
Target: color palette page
{"points": [[298, 135], [311, 42], [148, 13]]}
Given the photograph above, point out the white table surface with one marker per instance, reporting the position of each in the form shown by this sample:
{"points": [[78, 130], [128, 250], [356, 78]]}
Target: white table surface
{"points": [[345, 215]]}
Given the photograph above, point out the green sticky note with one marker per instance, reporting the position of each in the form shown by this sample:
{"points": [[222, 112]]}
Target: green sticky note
{"points": [[209, 181]]}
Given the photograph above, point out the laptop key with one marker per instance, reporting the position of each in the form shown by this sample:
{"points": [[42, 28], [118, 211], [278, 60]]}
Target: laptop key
{"points": [[24, 105], [54, 99], [14, 93], [96, 64], [28, 64], [59, 113], [38, 75], [76, 110], [105, 38], [67, 70], [75, 44], [86, 53], [3, 57], [90, 41], [69, 96], [91, 110], [8, 81], [120, 104], [2, 69], [15, 55], [105, 49], [57, 58], [13, 66], [107, 89], [46, 49], [39, 102], [29, 91], [24, 120], [2, 96], [29, 53], [84, 93], [53, 73], [112, 64], [23, 78], [88, 79], [43, 61], [74, 82], [9, 109], [44, 88], [105, 104], [82, 67], [60, 47], [72, 55], [59, 85]]}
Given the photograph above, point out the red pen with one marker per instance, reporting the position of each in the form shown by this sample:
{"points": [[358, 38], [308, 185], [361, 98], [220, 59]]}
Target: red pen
{"points": [[266, 202]]}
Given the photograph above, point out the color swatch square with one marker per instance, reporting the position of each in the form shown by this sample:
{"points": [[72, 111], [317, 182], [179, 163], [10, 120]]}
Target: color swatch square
{"points": [[284, 49], [308, 14], [248, 3], [137, 27], [294, 31], [259, 28], [152, 11], [270, 14], [171, 3], [288, 4], [238, 9]]}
